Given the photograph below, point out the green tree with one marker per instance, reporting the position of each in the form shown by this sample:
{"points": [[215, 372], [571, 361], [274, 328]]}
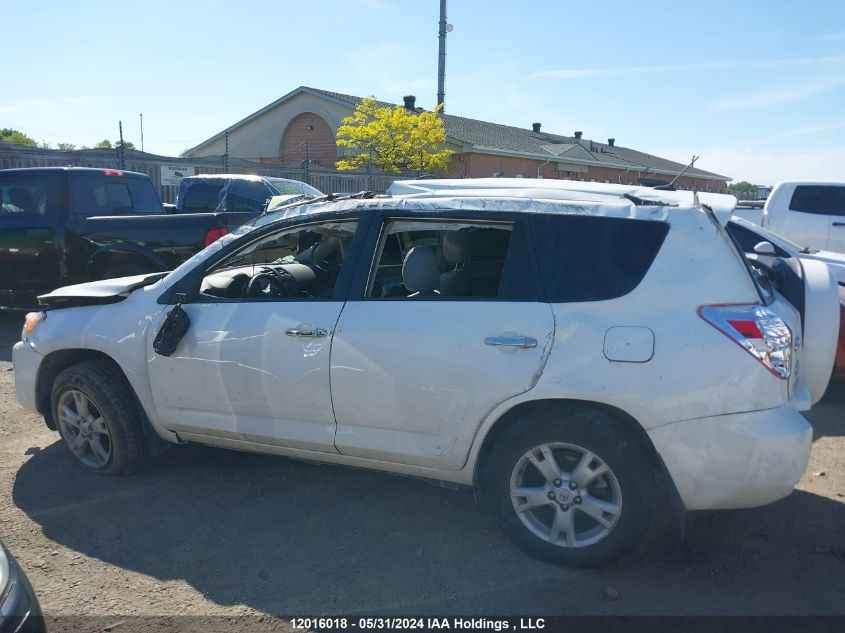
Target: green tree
{"points": [[742, 189], [104, 144], [393, 138], [8, 135], [65, 147]]}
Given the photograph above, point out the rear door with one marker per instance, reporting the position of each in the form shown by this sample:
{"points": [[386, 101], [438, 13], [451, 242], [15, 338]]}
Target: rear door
{"points": [[32, 209], [414, 373]]}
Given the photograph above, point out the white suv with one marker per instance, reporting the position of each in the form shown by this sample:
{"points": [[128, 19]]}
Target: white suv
{"points": [[574, 350]]}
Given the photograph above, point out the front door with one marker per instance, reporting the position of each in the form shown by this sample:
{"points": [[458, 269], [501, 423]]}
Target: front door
{"points": [[254, 363], [434, 345]]}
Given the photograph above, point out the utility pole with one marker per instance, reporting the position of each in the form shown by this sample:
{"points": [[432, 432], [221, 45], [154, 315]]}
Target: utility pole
{"points": [[121, 151], [307, 163], [441, 57], [142, 131], [226, 156]]}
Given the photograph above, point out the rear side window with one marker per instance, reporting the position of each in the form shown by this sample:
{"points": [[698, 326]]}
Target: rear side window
{"points": [[821, 199], [96, 194], [288, 187], [454, 259], [588, 258], [23, 194], [200, 195], [247, 195]]}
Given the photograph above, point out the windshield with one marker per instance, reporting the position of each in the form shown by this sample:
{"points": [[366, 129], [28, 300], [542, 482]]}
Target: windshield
{"points": [[285, 186]]}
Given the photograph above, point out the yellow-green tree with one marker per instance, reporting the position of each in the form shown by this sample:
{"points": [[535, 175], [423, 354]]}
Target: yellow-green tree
{"points": [[393, 138]]}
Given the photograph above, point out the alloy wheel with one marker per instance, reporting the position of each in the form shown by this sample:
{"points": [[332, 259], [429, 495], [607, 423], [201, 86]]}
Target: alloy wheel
{"points": [[84, 428], [565, 495]]}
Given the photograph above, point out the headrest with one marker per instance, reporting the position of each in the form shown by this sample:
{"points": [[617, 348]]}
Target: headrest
{"points": [[419, 270], [22, 198], [457, 246]]}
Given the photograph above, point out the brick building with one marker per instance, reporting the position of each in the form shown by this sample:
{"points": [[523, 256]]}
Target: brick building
{"points": [[302, 126]]}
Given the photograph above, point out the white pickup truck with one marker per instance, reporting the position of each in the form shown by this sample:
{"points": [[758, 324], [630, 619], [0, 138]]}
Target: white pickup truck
{"points": [[811, 214]]}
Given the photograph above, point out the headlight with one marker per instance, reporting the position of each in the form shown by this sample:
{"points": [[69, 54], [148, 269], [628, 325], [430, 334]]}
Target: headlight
{"points": [[33, 320], [4, 571]]}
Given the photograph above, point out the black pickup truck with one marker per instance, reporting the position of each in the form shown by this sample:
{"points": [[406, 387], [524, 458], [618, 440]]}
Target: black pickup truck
{"points": [[65, 225]]}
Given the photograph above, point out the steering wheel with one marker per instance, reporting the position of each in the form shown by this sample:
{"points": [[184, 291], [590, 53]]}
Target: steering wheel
{"points": [[267, 284]]}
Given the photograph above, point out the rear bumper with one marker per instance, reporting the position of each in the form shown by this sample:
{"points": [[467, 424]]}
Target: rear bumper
{"points": [[26, 362], [740, 460]]}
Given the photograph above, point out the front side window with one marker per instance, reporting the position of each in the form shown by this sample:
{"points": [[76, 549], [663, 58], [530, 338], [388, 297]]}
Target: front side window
{"points": [[301, 263], [96, 194], [441, 259]]}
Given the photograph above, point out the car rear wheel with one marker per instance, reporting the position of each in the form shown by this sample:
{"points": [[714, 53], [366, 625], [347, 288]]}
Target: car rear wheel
{"points": [[571, 486], [97, 418]]}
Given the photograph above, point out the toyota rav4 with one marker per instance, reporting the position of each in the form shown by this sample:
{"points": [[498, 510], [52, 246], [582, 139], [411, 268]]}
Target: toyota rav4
{"points": [[576, 351]]}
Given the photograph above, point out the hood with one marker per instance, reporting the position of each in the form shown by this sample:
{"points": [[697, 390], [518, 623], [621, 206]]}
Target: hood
{"points": [[834, 261], [94, 292]]}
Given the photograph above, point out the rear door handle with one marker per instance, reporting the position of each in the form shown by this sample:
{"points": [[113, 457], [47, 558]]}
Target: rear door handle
{"points": [[315, 333], [523, 342]]}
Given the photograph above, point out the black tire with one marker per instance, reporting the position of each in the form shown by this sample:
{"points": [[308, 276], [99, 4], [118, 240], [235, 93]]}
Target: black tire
{"points": [[125, 269], [106, 388], [597, 431]]}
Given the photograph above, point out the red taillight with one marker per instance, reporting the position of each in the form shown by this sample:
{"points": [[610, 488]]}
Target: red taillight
{"points": [[748, 329], [758, 331], [214, 234], [112, 172]]}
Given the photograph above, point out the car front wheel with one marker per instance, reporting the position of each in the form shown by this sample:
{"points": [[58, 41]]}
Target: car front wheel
{"points": [[571, 486], [97, 417]]}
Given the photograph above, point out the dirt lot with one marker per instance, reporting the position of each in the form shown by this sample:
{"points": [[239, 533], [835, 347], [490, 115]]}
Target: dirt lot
{"points": [[210, 532]]}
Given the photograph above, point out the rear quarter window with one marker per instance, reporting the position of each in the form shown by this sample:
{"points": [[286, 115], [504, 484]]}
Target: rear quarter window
{"points": [[588, 258], [819, 199]]}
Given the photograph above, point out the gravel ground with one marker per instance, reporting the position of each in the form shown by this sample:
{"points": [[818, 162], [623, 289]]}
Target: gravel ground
{"points": [[207, 532]]}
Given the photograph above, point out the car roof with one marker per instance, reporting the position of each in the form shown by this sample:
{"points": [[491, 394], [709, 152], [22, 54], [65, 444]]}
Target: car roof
{"points": [[516, 195], [818, 183], [74, 168], [251, 177]]}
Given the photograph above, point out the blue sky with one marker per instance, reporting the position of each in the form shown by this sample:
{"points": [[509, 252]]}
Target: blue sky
{"points": [[757, 89]]}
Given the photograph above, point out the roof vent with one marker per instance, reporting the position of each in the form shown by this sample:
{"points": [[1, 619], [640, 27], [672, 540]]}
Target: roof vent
{"points": [[409, 101], [536, 127], [578, 135], [611, 141]]}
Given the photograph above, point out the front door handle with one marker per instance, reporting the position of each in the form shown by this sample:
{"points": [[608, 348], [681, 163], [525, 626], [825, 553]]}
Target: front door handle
{"points": [[523, 342], [839, 224], [315, 333]]}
